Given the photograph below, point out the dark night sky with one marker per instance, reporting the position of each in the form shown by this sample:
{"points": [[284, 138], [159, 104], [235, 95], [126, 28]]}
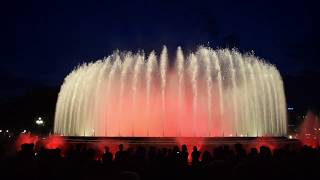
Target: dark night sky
{"points": [[43, 40]]}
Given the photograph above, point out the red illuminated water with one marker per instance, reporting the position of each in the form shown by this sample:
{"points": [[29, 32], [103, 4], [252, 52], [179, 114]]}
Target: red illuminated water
{"points": [[25, 138], [309, 131], [209, 93], [53, 142]]}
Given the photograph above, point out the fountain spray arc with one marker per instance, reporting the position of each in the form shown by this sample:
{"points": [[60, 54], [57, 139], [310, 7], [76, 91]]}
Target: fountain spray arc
{"points": [[208, 93]]}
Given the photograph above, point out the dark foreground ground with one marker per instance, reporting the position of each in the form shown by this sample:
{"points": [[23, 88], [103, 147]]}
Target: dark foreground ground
{"points": [[80, 160]]}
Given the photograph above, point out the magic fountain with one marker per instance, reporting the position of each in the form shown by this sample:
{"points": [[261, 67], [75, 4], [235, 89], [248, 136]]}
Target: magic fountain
{"points": [[208, 93]]}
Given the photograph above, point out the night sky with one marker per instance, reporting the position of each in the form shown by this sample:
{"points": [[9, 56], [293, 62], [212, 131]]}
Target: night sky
{"points": [[42, 41]]}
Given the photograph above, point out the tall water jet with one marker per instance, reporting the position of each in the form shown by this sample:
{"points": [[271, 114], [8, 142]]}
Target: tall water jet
{"points": [[163, 73], [152, 61], [208, 76], [193, 66], [218, 130], [234, 91], [123, 83], [180, 72], [206, 93], [137, 70]]}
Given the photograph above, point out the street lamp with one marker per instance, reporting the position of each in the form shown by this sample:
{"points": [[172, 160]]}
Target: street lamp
{"points": [[40, 125], [39, 121]]}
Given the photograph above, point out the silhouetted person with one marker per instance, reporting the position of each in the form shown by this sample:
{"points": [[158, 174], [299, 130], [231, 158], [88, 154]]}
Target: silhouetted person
{"points": [[218, 153], [240, 152], [253, 155], [162, 155], [206, 157], [184, 154], [140, 153], [176, 154], [265, 152], [120, 155], [90, 154], [152, 153], [129, 154], [107, 156], [195, 155], [26, 162]]}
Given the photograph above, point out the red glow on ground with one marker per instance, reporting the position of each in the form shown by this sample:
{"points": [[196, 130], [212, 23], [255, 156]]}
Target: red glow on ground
{"points": [[53, 142], [25, 139]]}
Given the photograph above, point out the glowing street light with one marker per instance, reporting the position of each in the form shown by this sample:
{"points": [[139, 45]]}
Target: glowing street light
{"points": [[39, 121]]}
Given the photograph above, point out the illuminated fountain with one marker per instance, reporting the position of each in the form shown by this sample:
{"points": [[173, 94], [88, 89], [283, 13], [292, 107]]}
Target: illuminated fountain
{"points": [[209, 93], [309, 130]]}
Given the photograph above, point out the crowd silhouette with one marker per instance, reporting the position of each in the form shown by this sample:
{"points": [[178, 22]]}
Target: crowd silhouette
{"points": [[149, 162]]}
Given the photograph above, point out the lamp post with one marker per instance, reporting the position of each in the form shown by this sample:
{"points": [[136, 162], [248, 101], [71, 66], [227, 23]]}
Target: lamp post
{"points": [[40, 123]]}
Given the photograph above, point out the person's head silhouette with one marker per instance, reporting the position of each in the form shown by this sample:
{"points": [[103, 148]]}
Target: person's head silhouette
{"points": [[106, 149], [184, 148], [195, 148], [121, 147]]}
